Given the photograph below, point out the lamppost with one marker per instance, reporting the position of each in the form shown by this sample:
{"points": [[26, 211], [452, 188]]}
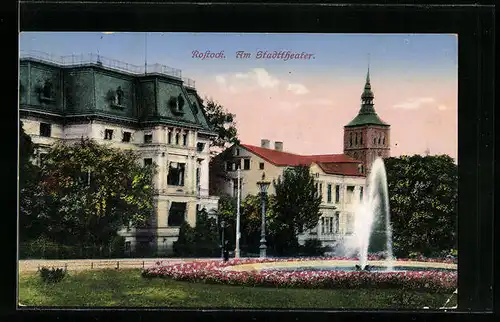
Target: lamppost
{"points": [[223, 242], [263, 185]]}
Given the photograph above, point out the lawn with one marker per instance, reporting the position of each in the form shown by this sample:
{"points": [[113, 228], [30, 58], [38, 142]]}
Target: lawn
{"points": [[127, 288]]}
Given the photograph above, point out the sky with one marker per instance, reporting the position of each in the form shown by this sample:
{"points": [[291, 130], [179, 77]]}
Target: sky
{"points": [[304, 103]]}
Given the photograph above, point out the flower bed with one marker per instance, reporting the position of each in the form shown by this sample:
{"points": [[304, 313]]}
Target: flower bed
{"points": [[210, 272]]}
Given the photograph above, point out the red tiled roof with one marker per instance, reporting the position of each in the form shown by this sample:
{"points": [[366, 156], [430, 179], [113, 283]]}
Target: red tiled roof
{"points": [[329, 163], [342, 168]]}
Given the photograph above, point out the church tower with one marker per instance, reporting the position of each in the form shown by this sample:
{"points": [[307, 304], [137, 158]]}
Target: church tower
{"points": [[367, 137]]}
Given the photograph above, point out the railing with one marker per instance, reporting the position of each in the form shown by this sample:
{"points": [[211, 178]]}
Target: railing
{"points": [[96, 59], [188, 82]]}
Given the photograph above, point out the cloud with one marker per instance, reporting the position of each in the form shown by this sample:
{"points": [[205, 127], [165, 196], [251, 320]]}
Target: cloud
{"points": [[320, 101], [289, 105], [256, 78], [297, 89], [442, 107], [415, 103]]}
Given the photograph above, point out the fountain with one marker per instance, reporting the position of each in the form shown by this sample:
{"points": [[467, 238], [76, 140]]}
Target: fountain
{"points": [[371, 211]]}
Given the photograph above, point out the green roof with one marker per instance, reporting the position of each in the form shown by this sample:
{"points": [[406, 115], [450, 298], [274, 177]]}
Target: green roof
{"points": [[366, 119]]}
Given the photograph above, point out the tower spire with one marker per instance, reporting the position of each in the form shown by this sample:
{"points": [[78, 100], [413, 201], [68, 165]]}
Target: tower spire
{"points": [[368, 73]]}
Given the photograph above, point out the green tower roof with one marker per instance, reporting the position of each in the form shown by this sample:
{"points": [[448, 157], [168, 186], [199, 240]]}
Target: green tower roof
{"points": [[367, 114]]}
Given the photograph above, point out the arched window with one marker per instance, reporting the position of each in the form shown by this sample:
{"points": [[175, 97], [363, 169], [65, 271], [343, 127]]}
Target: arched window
{"points": [[356, 136], [374, 140], [379, 139], [383, 140], [360, 138], [350, 139]]}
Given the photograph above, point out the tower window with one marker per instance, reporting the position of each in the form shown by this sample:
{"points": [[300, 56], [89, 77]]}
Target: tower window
{"points": [[350, 139], [45, 129], [360, 138], [356, 136], [379, 140], [108, 134], [374, 141], [383, 140]]}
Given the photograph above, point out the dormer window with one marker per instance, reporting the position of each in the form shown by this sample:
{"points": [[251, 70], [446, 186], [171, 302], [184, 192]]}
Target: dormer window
{"points": [[45, 92], [116, 98], [176, 104], [148, 138], [200, 146]]}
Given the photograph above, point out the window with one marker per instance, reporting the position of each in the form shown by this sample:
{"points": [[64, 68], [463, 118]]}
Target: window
{"points": [[329, 193], [148, 138], [176, 213], [184, 139], [177, 138], [236, 151], [127, 246], [320, 191], [323, 225], [261, 165], [330, 226], [379, 140], [176, 174], [360, 193], [126, 136], [361, 138], [337, 194], [229, 166], [356, 136], [337, 223], [148, 161], [374, 141], [350, 194], [246, 164], [169, 137], [200, 147], [237, 165], [383, 140], [108, 134], [45, 129]]}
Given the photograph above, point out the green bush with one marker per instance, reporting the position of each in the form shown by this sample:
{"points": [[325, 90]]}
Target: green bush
{"points": [[54, 275], [312, 247]]}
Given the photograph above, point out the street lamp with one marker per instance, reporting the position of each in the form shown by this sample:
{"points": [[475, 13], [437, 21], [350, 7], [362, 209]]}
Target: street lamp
{"points": [[223, 226], [263, 185]]}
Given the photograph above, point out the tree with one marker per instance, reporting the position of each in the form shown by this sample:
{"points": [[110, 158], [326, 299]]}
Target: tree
{"points": [[423, 192], [296, 208], [30, 201], [251, 220], [223, 123], [201, 240], [92, 191]]}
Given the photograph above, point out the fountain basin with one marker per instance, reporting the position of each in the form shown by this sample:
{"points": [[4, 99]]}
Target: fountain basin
{"points": [[341, 265]]}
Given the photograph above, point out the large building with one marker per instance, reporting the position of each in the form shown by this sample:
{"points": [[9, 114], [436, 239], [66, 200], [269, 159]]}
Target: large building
{"points": [[150, 109], [340, 178], [339, 182]]}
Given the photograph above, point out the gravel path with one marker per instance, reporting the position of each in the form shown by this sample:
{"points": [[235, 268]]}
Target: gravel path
{"points": [[84, 264]]}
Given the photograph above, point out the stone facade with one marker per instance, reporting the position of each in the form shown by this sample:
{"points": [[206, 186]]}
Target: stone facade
{"points": [[154, 114]]}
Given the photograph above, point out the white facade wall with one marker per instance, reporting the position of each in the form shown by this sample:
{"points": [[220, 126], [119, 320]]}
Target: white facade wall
{"points": [[161, 152]]}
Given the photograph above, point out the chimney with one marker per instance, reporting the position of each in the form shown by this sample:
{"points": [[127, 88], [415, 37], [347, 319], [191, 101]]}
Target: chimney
{"points": [[278, 146], [264, 143]]}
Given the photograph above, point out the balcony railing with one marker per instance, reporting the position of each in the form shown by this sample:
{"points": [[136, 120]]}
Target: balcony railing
{"points": [[96, 59]]}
